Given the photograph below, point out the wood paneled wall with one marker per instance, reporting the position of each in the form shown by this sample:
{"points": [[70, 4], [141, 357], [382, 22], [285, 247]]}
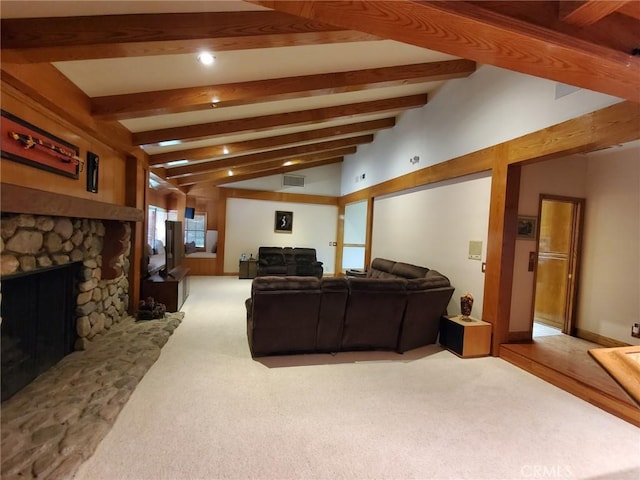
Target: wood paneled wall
{"points": [[111, 184]]}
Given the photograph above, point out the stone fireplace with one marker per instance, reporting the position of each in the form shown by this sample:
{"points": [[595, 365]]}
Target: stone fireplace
{"points": [[100, 250]]}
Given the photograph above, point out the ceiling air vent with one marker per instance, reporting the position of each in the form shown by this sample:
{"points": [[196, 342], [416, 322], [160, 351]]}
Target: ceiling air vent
{"points": [[292, 181]]}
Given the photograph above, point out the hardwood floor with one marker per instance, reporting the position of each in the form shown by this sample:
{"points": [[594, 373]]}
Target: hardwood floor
{"points": [[565, 362]]}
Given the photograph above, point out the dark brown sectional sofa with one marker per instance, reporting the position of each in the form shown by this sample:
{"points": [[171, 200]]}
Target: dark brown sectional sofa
{"points": [[396, 306]]}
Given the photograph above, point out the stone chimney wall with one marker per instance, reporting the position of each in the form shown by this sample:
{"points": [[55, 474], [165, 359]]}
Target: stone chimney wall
{"points": [[32, 242]]}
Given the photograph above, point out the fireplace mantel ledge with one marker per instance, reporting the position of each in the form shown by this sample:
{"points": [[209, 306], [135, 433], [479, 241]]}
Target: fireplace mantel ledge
{"points": [[18, 199]]}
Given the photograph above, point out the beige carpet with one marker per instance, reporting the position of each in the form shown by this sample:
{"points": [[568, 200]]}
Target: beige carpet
{"points": [[207, 410]]}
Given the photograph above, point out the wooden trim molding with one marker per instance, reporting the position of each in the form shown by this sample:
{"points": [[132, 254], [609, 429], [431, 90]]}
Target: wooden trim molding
{"points": [[278, 196], [599, 339], [18, 199]]}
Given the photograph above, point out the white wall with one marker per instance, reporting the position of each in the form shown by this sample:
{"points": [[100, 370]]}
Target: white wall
{"points": [[432, 227], [490, 106], [250, 224], [317, 181], [608, 296]]}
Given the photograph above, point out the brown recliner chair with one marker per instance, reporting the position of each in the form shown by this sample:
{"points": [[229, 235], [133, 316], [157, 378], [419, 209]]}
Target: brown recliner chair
{"points": [[282, 315]]}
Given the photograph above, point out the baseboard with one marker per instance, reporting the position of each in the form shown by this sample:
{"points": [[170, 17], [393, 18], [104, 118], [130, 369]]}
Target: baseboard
{"points": [[599, 339]]}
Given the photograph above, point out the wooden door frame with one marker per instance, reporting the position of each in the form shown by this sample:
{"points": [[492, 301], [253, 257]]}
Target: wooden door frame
{"points": [[577, 229]]}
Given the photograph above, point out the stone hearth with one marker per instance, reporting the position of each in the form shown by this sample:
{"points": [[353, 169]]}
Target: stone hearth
{"points": [[56, 422]]}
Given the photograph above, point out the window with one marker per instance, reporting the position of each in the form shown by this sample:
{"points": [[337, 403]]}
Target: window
{"points": [[195, 230], [155, 225]]}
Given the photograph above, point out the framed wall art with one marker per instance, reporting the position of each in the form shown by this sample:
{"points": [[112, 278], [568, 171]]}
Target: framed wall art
{"points": [[283, 222], [527, 227], [27, 144]]}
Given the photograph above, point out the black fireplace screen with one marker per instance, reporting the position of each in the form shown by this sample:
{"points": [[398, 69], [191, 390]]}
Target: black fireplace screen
{"points": [[38, 323]]}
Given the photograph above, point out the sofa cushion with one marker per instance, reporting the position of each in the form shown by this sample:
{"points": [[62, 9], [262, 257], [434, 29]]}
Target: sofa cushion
{"points": [[285, 283], [406, 270], [382, 265], [357, 284], [432, 280], [436, 279], [334, 284]]}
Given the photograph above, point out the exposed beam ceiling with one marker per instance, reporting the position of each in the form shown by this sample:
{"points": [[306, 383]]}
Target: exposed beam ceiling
{"points": [[36, 40], [465, 29], [133, 105], [589, 12], [270, 142], [280, 154], [302, 74], [307, 159], [304, 117]]}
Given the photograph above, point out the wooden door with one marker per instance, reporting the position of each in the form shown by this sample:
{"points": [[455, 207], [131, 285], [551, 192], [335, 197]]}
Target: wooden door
{"points": [[557, 266]]}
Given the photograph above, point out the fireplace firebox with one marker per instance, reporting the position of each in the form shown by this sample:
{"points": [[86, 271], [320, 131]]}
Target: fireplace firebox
{"points": [[38, 323]]}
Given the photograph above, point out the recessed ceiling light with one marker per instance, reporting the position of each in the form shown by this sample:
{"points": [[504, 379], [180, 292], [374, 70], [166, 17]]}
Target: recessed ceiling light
{"points": [[230, 172], [286, 164], [206, 58], [177, 162], [169, 143], [225, 150]]}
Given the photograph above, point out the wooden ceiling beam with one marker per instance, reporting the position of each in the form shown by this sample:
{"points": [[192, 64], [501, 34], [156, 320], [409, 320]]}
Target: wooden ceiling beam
{"points": [[135, 105], [266, 122], [280, 154], [588, 12], [470, 31], [631, 9], [266, 143], [277, 171], [311, 157], [617, 31], [57, 39]]}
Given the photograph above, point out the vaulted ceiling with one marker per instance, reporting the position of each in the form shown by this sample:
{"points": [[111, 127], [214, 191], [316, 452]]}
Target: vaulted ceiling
{"points": [[295, 84]]}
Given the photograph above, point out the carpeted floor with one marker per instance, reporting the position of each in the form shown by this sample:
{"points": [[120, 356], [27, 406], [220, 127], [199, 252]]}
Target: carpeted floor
{"points": [[207, 410]]}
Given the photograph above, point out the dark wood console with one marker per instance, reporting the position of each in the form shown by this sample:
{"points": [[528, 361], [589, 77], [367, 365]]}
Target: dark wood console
{"points": [[171, 290]]}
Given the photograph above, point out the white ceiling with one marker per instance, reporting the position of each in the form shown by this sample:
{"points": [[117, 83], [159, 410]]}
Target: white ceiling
{"points": [[117, 76]]}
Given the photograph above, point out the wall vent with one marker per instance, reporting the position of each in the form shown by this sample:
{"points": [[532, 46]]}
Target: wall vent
{"points": [[293, 180]]}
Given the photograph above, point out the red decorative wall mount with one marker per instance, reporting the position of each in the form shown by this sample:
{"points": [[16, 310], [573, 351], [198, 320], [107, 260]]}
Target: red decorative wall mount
{"points": [[25, 143]]}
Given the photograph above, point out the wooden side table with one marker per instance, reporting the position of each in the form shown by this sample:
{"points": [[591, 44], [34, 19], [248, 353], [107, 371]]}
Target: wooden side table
{"points": [[171, 290], [465, 336], [248, 268]]}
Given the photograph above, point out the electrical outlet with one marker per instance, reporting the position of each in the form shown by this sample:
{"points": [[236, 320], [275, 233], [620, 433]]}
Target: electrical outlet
{"points": [[635, 330]]}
